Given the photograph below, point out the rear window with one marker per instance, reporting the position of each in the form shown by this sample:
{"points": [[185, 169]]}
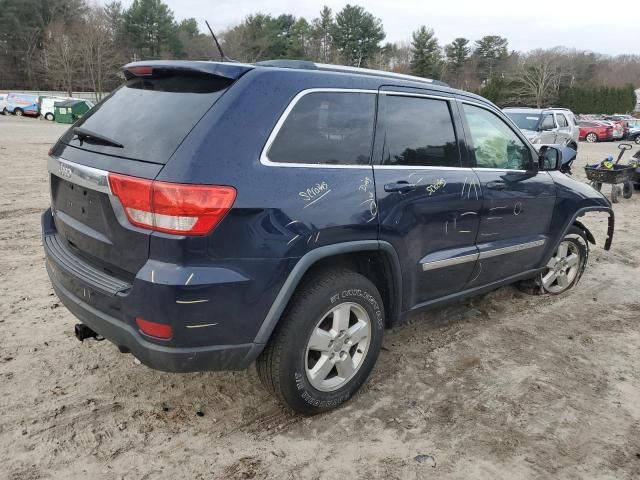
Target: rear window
{"points": [[150, 117], [327, 128]]}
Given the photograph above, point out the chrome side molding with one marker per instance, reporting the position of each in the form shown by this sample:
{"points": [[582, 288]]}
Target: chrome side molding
{"points": [[511, 249], [448, 262]]}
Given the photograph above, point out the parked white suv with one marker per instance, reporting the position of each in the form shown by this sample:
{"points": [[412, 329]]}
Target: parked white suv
{"points": [[546, 125]]}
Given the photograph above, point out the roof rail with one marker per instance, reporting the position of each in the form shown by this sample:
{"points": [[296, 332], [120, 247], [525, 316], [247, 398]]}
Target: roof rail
{"points": [[325, 67], [283, 63], [376, 73]]}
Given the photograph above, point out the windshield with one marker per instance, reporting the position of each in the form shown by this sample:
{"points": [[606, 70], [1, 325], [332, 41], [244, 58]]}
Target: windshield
{"points": [[149, 116], [525, 121]]}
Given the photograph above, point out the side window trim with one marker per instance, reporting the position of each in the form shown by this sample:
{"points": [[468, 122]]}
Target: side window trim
{"points": [[264, 155], [469, 142], [455, 120]]}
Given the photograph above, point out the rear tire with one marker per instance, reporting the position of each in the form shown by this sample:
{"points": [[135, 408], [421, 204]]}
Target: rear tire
{"points": [[627, 190], [597, 185], [565, 267], [18, 112], [50, 117], [326, 343], [591, 137], [637, 140]]}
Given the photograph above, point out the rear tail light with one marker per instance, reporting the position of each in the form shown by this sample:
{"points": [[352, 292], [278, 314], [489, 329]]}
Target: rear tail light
{"points": [[177, 208], [161, 331]]}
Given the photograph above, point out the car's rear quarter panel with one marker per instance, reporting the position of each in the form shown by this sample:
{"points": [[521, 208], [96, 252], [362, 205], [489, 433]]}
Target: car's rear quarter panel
{"points": [[271, 224]]}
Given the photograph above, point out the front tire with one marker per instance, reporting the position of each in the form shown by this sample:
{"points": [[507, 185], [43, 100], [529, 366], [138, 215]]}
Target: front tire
{"points": [[18, 112], [326, 343], [565, 267], [591, 137], [49, 116]]}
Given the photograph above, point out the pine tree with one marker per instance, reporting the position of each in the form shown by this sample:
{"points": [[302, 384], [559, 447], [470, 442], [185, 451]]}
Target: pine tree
{"points": [[151, 28], [427, 57], [457, 53], [491, 51], [357, 35], [322, 28]]}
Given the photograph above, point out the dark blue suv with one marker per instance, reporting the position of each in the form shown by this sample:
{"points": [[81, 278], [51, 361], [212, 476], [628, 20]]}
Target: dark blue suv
{"points": [[208, 215]]}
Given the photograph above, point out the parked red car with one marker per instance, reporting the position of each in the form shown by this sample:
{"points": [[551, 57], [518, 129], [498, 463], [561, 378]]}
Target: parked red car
{"points": [[595, 132]]}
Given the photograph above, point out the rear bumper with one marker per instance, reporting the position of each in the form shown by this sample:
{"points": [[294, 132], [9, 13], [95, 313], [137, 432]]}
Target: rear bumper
{"points": [[159, 357], [109, 306]]}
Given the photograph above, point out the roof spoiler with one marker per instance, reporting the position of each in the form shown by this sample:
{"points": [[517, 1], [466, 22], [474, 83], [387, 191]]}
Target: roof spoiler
{"points": [[149, 68]]}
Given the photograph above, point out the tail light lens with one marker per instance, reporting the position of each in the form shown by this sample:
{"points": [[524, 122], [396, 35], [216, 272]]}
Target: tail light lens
{"points": [[177, 208], [161, 331]]}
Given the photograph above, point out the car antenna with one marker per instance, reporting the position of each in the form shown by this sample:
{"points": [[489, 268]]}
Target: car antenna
{"points": [[223, 57]]}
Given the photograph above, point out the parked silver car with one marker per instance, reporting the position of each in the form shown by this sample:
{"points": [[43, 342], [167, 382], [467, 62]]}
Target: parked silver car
{"points": [[546, 125]]}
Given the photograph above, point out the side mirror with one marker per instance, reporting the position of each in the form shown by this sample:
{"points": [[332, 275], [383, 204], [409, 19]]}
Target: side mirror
{"points": [[550, 158], [556, 157]]}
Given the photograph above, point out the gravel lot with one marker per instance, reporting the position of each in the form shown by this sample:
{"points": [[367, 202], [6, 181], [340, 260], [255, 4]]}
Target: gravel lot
{"points": [[500, 386]]}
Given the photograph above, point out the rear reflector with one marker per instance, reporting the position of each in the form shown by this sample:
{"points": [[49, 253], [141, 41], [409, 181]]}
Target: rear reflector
{"points": [[177, 208], [154, 329]]}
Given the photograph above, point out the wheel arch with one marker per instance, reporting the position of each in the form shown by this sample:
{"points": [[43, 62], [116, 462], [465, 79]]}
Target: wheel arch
{"points": [[574, 221], [340, 254]]}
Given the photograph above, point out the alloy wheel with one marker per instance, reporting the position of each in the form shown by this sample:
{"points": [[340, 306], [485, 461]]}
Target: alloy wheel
{"points": [[591, 138], [562, 268], [337, 346]]}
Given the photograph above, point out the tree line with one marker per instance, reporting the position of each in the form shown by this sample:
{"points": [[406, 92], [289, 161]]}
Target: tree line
{"points": [[76, 45]]}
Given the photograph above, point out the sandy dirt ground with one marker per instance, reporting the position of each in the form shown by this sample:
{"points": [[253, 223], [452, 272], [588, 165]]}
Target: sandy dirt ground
{"points": [[501, 386]]}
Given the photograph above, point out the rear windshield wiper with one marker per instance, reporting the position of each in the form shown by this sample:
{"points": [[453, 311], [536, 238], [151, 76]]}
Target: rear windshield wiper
{"points": [[84, 134]]}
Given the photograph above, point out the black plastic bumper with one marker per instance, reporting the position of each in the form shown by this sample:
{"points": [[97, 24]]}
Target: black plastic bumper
{"points": [[169, 359], [98, 300]]}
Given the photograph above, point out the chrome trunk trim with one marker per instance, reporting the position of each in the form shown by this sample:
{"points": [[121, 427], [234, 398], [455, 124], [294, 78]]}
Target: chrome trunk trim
{"points": [[82, 175]]}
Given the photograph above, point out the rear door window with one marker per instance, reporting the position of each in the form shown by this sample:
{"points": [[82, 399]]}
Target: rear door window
{"points": [[150, 116], [333, 128], [562, 121], [416, 131]]}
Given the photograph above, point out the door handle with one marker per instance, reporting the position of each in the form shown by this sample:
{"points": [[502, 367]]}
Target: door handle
{"points": [[496, 186], [401, 187]]}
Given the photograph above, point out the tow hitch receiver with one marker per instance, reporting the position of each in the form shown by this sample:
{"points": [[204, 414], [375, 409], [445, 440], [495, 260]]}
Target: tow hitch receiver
{"points": [[83, 332]]}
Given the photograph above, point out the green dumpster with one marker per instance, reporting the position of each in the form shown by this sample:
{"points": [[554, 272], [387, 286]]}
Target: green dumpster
{"points": [[69, 111]]}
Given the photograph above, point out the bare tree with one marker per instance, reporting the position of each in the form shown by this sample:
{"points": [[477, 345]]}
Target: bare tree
{"points": [[29, 38], [538, 73], [63, 56], [98, 51]]}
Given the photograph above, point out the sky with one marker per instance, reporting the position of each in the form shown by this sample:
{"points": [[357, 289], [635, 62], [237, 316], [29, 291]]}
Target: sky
{"points": [[527, 25]]}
